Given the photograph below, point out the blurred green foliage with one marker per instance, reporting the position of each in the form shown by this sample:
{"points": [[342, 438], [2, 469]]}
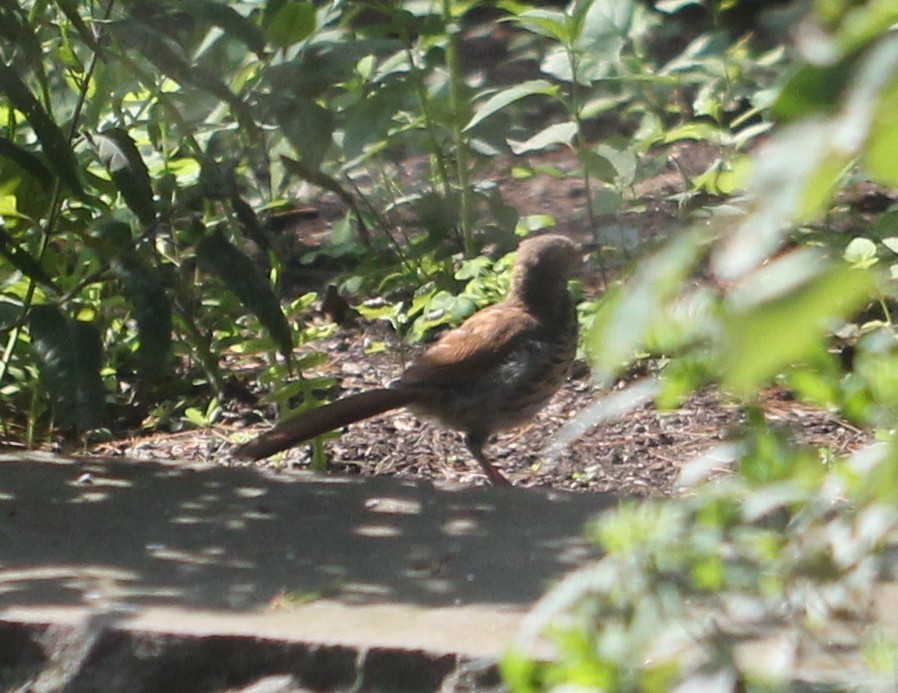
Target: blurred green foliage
{"points": [[777, 575]]}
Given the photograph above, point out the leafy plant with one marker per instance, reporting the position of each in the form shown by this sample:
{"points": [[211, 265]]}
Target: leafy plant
{"points": [[758, 580]]}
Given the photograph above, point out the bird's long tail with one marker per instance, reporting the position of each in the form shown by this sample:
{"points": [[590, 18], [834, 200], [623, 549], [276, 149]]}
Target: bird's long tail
{"points": [[332, 416]]}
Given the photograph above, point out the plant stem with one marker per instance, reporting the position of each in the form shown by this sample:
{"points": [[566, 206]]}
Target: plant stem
{"points": [[458, 110]]}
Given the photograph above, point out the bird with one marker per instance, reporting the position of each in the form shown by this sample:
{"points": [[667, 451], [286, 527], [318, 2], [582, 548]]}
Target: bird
{"points": [[493, 372]]}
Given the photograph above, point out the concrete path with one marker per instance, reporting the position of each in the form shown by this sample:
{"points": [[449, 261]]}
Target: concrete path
{"points": [[140, 576]]}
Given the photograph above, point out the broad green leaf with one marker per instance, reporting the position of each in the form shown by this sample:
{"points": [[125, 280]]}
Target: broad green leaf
{"points": [[501, 99], [761, 341], [228, 20], [26, 161], [560, 133], [814, 89], [69, 352], [120, 156], [861, 253], [249, 222], [54, 143], [605, 26], [290, 23], [702, 132], [881, 151], [24, 262], [606, 202], [307, 125], [590, 66], [551, 23], [144, 290], [240, 276], [367, 122], [534, 222], [624, 159], [886, 228]]}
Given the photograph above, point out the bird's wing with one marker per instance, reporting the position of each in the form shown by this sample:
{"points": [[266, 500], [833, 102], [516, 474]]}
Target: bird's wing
{"points": [[482, 342]]}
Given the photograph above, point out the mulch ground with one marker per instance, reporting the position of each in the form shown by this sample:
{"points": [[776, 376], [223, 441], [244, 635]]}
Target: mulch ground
{"points": [[639, 453]]}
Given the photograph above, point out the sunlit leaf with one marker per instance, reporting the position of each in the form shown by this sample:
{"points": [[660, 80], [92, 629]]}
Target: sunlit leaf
{"points": [[671, 6], [559, 133], [551, 23], [503, 98], [860, 253]]}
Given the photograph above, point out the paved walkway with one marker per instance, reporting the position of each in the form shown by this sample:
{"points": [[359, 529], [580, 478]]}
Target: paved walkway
{"points": [[140, 576]]}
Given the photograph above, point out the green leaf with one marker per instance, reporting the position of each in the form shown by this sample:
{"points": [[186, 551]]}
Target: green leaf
{"points": [[27, 162], [144, 290], [559, 133], [69, 352], [623, 160], [240, 276], [671, 6], [307, 125], [228, 20], [604, 28], [881, 155], [501, 99], [813, 89], [369, 120], [597, 166], [54, 143], [196, 417], [169, 57], [24, 262], [15, 29], [120, 156], [606, 202], [767, 337], [551, 23], [290, 23], [702, 132], [861, 253]]}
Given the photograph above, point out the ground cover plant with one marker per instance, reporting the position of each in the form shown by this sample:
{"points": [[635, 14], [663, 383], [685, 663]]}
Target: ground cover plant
{"points": [[154, 157]]}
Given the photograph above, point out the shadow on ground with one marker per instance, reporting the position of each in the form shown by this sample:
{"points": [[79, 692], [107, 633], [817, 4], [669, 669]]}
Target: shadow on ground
{"points": [[106, 532]]}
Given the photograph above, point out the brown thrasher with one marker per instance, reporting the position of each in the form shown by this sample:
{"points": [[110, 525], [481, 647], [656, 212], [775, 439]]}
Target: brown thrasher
{"points": [[494, 371]]}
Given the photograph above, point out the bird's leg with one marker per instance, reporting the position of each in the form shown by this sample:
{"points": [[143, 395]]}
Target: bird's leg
{"points": [[475, 443]]}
